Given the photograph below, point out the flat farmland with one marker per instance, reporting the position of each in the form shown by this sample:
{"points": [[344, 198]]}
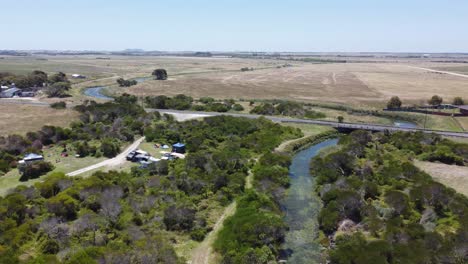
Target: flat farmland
{"points": [[369, 84], [363, 84]]}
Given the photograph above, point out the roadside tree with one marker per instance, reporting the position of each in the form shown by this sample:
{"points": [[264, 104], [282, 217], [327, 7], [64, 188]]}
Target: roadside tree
{"points": [[435, 100], [458, 101], [394, 103], [58, 89]]}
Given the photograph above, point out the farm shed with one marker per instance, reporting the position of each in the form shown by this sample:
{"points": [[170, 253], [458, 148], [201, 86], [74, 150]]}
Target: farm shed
{"points": [[463, 109], [78, 76], [12, 92]]}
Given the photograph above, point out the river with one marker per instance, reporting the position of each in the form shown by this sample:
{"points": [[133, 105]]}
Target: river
{"points": [[96, 92], [404, 124], [302, 207]]}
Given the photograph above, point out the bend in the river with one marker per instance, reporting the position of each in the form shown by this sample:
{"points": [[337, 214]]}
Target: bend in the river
{"points": [[96, 91]]}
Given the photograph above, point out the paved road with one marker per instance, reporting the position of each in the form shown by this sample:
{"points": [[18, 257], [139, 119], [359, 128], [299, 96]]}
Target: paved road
{"points": [[445, 72], [371, 127], [22, 101], [119, 159]]}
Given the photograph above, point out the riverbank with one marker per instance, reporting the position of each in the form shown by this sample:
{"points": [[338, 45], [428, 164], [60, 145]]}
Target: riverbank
{"points": [[295, 146]]}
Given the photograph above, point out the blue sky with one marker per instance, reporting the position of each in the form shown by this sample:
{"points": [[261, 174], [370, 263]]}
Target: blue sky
{"points": [[234, 25]]}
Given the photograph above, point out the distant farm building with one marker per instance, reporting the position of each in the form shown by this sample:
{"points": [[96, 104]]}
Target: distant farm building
{"points": [[463, 109], [178, 148], [10, 93], [78, 76], [15, 92]]}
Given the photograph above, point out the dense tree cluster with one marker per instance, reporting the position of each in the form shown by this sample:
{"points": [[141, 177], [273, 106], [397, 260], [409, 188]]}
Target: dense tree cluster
{"points": [[109, 124], [35, 170], [286, 108], [160, 74], [55, 85], [126, 83], [119, 217], [379, 208], [183, 102], [431, 148], [255, 232], [58, 89], [33, 79], [178, 102]]}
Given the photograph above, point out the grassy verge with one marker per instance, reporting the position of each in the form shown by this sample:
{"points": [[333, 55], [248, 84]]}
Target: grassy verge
{"points": [[297, 145]]}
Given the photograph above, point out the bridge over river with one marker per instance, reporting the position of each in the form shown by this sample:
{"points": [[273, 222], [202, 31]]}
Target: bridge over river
{"points": [[343, 127]]}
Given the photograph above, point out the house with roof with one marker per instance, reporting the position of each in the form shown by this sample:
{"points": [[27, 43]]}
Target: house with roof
{"points": [[78, 76], [463, 109], [10, 93]]}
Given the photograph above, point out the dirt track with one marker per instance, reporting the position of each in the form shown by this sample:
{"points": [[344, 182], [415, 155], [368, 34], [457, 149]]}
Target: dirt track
{"points": [[202, 254], [443, 72], [119, 159]]}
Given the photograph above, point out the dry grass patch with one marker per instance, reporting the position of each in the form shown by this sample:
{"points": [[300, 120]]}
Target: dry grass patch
{"points": [[463, 121], [453, 176], [21, 119]]}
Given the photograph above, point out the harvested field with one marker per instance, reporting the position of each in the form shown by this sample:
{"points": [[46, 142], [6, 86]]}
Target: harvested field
{"points": [[453, 176], [364, 84], [352, 83], [21, 119]]}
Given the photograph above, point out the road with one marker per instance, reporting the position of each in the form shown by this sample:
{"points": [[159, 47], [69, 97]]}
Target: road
{"points": [[351, 126], [119, 159], [444, 72], [23, 101]]}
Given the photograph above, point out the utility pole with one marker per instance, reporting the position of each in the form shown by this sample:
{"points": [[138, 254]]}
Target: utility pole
{"points": [[425, 119]]}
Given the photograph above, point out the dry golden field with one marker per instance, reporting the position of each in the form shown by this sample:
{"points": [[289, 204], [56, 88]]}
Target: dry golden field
{"points": [[364, 83], [453, 176], [352, 83], [20, 119]]}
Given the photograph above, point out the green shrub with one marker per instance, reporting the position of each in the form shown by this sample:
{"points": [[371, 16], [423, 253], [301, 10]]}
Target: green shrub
{"points": [[59, 105], [35, 170], [110, 148], [314, 114], [238, 107]]}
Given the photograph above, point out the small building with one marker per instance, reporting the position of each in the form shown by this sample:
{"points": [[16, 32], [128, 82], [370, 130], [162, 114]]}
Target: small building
{"points": [[178, 148], [463, 109], [10, 93], [4, 87], [78, 76], [30, 158]]}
